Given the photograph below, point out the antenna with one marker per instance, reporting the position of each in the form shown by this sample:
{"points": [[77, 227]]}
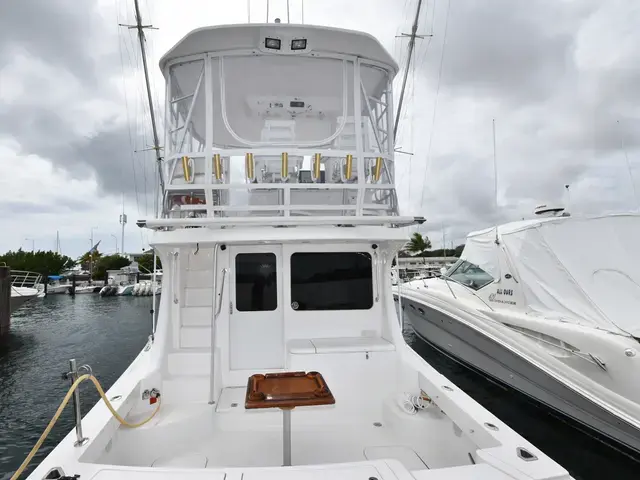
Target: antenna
{"points": [[495, 174], [302, 12], [626, 158], [267, 11], [412, 43], [495, 166], [156, 144], [288, 18], [567, 208], [123, 222], [248, 11]]}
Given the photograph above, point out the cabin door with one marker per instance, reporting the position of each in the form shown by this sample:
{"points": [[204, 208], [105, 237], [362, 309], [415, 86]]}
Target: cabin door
{"points": [[256, 330]]}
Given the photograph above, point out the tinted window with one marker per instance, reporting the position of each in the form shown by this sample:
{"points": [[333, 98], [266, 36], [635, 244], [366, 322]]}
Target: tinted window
{"points": [[469, 274], [256, 282], [331, 281]]}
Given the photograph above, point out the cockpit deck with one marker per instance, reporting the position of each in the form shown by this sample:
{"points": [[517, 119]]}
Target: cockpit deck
{"points": [[228, 435]]}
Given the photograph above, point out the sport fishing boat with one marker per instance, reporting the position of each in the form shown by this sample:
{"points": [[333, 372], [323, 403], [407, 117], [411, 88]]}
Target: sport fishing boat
{"points": [[277, 352], [549, 307]]}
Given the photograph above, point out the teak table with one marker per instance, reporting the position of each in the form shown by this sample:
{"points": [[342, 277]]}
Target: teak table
{"points": [[287, 391]]}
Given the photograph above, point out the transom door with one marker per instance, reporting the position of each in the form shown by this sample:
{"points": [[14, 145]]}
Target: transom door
{"points": [[256, 330]]}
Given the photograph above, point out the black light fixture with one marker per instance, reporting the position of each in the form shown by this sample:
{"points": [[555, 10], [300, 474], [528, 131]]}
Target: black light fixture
{"points": [[272, 43], [299, 44]]}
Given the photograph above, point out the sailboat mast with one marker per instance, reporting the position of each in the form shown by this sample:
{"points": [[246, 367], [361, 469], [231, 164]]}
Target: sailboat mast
{"points": [[123, 222], [156, 143], [412, 44]]}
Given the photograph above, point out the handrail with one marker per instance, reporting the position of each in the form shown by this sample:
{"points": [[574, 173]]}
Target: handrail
{"points": [[471, 290], [175, 286], [213, 325], [378, 220], [23, 278], [212, 373], [219, 307], [375, 277]]}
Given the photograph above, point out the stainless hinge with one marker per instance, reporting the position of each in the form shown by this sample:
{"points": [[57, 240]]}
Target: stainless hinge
{"points": [[230, 308]]}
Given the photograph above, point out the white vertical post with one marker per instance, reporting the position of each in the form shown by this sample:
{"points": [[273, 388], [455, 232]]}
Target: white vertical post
{"points": [[213, 326], [391, 141], [208, 149], [357, 118], [286, 437], [154, 285], [168, 126]]}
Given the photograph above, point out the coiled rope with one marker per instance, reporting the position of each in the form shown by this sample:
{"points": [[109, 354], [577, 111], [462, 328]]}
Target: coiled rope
{"points": [[66, 399]]}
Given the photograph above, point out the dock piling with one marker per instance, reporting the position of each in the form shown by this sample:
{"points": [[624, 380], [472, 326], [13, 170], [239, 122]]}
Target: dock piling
{"points": [[5, 300]]}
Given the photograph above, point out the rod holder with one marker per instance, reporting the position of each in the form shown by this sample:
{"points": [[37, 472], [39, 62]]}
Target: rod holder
{"points": [[187, 169], [346, 170], [217, 166], [249, 166], [77, 414], [316, 167], [377, 169], [285, 166]]}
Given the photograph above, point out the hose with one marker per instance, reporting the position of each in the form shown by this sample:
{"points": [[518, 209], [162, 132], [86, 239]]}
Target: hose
{"points": [[411, 403], [65, 400]]}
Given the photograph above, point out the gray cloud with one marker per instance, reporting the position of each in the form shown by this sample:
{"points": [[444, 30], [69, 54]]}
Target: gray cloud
{"points": [[555, 75], [556, 88], [60, 32], [81, 44]]}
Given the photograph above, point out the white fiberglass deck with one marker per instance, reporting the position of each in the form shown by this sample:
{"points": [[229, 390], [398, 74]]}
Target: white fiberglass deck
{"points": [[227, 435]]}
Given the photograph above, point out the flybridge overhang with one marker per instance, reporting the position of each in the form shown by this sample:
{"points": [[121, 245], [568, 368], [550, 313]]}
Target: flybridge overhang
{"points": [[278, 121], [169, 224], [254, 37]]}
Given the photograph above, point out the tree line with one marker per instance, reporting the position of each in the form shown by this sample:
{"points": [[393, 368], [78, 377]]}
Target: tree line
{"points": [[420, 246], [53, 263]]}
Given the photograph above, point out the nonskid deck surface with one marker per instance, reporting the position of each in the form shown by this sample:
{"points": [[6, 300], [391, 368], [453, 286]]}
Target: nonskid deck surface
{"points": [[197, 436]]}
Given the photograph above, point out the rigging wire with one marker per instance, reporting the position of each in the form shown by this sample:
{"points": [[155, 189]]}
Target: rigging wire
{"points": [[435, 103], [141, 153], [126, 101]]}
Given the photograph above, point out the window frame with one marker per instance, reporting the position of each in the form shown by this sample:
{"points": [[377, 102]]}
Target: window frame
{"points": [[370, 301], [459, 265]]}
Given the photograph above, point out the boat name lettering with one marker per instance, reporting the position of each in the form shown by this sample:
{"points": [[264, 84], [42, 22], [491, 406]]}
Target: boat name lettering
{"points": [[506, 291], [492, 298]]}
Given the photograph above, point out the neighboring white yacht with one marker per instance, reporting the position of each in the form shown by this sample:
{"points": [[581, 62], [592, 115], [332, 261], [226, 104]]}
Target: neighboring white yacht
{"points": [[58, 284], [550, 307], [276, 241], [24, 287]]}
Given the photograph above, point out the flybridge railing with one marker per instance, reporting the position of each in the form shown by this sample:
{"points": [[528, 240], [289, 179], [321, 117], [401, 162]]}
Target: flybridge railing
{"points": [[280, 182], [20, 278]]}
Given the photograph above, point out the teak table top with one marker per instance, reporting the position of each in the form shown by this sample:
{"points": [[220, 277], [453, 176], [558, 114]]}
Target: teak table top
{"points": [[287, 390]]}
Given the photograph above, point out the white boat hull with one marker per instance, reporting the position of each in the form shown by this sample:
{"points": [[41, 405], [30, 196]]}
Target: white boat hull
{"points": [[479, 352], [20, 296]]}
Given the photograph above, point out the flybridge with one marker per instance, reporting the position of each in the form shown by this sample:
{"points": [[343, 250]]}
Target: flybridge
{"points": [[275, 120]]}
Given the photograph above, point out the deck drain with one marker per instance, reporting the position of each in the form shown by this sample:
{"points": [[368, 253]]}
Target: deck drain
{"points": [[526, 455], [377, 424], [491, 426], [447, 388], [234, 405], [117, 397]]}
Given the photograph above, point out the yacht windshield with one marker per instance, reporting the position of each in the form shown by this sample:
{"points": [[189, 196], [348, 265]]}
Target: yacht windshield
{"points": [[469, 274]]}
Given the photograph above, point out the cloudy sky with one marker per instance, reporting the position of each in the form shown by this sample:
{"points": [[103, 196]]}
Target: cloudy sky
{"points": [[561, 78]]}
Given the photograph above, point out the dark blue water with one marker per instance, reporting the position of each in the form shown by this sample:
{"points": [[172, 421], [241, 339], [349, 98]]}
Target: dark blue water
{"points": [[108, 333]]}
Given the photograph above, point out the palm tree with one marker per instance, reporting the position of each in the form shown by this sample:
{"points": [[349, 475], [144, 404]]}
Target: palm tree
{"points": [[418, 244]]}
